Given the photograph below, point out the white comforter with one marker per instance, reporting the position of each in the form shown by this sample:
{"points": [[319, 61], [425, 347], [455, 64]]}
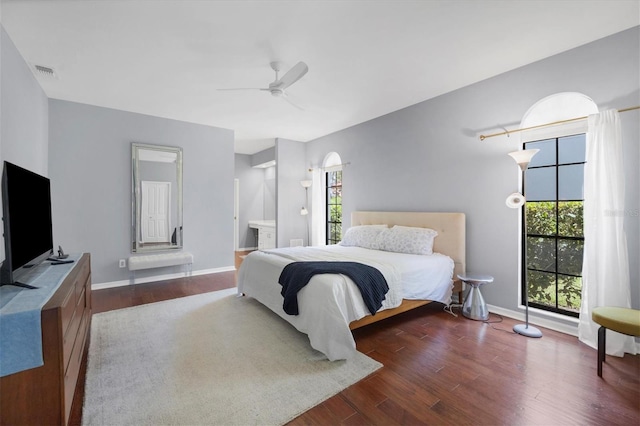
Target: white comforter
{"points": [[331, 301]]}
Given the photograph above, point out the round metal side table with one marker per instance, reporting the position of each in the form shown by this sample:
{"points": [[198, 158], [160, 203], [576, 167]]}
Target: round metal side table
{"points": [[474, 306]]}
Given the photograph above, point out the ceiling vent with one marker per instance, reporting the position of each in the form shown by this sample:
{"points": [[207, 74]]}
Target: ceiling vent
{"points": [[45, 72]]}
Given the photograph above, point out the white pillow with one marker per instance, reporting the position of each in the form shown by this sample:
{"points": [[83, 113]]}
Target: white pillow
{"points": [[407, 239], [365, 236]]}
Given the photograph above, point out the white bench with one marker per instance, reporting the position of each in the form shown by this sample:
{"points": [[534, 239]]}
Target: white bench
{"points": [[159, 260]]}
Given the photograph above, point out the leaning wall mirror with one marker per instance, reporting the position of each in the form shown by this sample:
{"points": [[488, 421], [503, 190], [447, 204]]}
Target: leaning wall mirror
{"points": [[156, 197]]}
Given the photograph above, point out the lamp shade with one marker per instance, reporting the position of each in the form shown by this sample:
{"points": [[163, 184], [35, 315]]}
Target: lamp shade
{"points": [[306, 183], [515, 200], [523, 157], [304, 211]]}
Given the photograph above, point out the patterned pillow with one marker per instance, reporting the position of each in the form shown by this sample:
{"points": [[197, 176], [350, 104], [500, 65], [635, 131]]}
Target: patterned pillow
{"points": [[407, 239], [364, 236]]}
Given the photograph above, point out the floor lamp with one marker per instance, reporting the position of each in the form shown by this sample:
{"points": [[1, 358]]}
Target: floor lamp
{"points": [[303, 211], [516, 200]]}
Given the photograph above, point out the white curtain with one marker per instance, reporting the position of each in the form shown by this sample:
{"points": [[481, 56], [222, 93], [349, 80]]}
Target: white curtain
{"points": [[605, 270], [318, 209]]}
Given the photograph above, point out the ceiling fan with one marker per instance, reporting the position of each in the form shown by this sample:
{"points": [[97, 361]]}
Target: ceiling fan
{"points": [[278, 86]]}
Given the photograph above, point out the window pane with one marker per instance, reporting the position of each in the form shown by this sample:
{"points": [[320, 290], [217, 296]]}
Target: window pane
{"points": [[335, 214], [540, 184], [571, 218], [570, 183], [547, 154], [335, 233], [541, 253], [542, 288], [332, 196], [569, 293], [572, 149], [570, 256], [541, 218]]}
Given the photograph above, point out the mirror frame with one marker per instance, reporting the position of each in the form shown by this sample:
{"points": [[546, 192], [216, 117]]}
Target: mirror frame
{"points": [[136, 205]]}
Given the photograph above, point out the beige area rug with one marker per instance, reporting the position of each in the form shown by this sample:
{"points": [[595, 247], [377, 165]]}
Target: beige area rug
{"points": [[212, 359]]}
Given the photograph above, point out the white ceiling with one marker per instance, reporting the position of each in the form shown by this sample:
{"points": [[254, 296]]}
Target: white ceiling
{"points": [[365, 58]]}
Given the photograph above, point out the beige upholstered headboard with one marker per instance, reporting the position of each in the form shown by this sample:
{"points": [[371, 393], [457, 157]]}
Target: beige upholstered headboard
{"points": [[450, 227]]}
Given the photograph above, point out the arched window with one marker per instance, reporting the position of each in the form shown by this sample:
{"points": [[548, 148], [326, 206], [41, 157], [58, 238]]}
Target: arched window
{"points": [[553, 243]]}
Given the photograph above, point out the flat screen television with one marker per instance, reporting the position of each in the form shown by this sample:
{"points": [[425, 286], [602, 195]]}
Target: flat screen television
{"points": [[28, 236]]}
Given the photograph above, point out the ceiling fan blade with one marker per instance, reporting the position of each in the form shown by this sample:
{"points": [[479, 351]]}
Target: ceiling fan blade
{"points": [[288, 99], [293, 75]]}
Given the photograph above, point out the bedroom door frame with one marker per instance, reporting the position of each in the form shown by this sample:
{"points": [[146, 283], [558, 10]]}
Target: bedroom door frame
{"points": [[236, 213]]}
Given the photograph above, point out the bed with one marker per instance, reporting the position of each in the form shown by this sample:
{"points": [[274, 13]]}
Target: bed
{"points": [[330, 305]]}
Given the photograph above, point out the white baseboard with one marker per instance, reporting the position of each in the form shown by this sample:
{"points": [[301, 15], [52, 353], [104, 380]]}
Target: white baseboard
{"points": [[247, 249], [134, 281], [549, 323]]}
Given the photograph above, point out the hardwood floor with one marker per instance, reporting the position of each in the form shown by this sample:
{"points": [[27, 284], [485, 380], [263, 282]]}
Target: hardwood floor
{"points": [[439, 369]]}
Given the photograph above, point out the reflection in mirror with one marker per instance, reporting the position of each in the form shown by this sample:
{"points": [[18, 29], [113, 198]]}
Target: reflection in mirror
{"points": [[157, 197]]}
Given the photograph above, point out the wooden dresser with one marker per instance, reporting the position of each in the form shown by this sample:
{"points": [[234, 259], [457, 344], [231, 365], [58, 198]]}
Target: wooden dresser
{"points": [[43, 395]]}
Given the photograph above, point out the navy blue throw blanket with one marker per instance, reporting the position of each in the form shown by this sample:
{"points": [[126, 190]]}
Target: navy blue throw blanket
{"points": [[372, 284]]}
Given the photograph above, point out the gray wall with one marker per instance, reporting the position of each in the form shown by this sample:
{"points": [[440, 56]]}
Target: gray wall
{"points": [[90, 170], [428, 157], [24, 114], [24, 111], [264, 156], [270, 192], [290, 197]]}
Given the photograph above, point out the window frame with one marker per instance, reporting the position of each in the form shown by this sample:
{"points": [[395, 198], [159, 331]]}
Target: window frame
{"points": [[329, 223], [556, 237]]}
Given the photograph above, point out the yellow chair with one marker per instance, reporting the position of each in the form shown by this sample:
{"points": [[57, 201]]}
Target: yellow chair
{"points": [[622, 320]]}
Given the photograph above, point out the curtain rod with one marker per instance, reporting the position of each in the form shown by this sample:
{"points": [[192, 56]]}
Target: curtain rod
{"points": [[329, 167], [508, 132]]}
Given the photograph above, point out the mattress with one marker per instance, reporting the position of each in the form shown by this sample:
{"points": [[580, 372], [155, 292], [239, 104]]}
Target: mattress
{"points": [[331, 301]]}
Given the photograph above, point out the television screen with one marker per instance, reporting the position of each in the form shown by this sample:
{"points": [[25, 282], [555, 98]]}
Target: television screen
{"points": [[28, 237]]}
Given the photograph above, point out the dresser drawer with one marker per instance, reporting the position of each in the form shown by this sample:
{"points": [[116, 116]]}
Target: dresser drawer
{"points": [[71, 333], [81, 279], [73, 369], [67, 310]]}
